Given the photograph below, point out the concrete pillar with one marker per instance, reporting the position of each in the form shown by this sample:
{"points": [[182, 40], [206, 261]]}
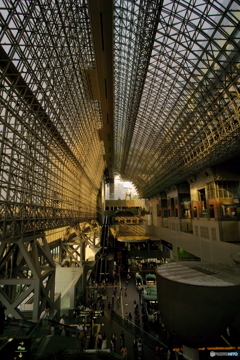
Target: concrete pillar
{"points": [[111, 190]]}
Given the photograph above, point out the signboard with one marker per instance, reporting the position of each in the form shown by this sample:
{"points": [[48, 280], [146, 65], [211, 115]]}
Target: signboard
{"points": [[92, 312], [21, 349], [99, 313]]}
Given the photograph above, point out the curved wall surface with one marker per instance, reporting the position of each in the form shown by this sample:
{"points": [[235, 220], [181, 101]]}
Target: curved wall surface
{"points": [[197, 303]]}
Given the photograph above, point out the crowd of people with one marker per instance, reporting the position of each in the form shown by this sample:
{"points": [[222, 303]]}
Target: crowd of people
{"points": [[108, 296], [102, 343]]}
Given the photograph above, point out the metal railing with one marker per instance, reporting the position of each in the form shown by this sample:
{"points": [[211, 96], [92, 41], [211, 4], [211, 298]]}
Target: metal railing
{"points": [[147, 338], [137, 331], [13, 328]]}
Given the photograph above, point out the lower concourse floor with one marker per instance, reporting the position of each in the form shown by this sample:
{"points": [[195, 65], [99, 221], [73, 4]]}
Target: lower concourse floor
{"points": [[118, 302], [120, 297]]}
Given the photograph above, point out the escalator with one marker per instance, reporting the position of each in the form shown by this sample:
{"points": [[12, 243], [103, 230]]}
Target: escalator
{"points": [[15, 339], [21, 339], [101, 266], [133, 329]]}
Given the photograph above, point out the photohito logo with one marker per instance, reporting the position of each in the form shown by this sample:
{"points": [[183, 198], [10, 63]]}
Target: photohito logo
{"points": [[223, 353]]}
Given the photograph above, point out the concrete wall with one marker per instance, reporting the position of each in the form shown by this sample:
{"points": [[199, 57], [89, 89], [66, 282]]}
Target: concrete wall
{"points": [[195, 313], [66, 279], [206, 249], [211, 238], [230, 230]]}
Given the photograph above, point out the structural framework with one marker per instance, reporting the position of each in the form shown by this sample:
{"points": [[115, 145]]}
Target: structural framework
{"points": [[148, 89], [176, 89]]}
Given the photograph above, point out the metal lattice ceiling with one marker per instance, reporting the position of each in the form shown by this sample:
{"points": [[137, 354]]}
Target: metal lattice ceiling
{"points": [[49, 139], [176, 89], [157, 82]]}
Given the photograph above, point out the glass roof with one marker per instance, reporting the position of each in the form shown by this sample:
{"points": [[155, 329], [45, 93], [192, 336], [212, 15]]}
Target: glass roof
{"points": [[176, 88], [176, 101], [49, 122]]}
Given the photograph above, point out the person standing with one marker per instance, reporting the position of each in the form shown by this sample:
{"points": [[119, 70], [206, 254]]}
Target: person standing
{"points": [[113, 348], [44, 318], [45, 313], [62, 327], [104, 341], [158, 353], [124, 352], [139, 349], [103, 306], [99, 341], [85, 329], [113, 341], [122, 343], [135, 349], [79, 327]]}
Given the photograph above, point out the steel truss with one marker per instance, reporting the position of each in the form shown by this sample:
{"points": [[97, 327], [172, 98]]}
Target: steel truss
{"points": [[27, 268], [188, 114], [176, 95], [73, 253], [50, 147], [51, 156], [29, 273]]}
